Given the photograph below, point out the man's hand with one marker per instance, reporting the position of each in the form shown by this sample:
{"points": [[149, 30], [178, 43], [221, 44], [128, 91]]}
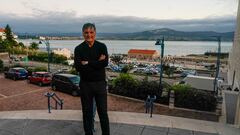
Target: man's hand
{"points": [[102, 57], [84, 62]]}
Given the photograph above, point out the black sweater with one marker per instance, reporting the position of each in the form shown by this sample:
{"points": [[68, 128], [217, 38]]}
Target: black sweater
{"points": [[95, 69]]}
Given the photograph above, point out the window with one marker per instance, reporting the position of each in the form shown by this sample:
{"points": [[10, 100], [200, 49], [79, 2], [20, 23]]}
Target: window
{"points": [[47, 75], [22, 70], [75, 80], [39, 75]]}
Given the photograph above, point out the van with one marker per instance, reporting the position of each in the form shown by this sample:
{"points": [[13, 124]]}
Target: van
{"points": [[201, 82], [67, 83]]}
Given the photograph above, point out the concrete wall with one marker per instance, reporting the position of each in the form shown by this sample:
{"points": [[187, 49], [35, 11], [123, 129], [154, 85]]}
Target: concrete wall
{"points": [[234, 65], [234, 57], [237, 119]]}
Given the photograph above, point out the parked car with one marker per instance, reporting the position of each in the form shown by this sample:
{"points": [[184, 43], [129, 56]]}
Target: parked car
{"points": [[16, 73], [150, 71], [188, 72], [40, 78], [139, 70], [201, 82], [67, 83]]}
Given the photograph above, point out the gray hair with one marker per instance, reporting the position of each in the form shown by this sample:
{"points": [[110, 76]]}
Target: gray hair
{"points": [[88, 25]]}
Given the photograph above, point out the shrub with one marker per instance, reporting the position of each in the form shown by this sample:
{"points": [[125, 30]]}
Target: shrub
{"points": [[146, 88], [5, 68], [1, 65], [17, 65], [37, 69], [181, 87], [127, 68], [43, 57], [165, 94], [73, 71], [124, 84], [59, 58], [188, 97]]}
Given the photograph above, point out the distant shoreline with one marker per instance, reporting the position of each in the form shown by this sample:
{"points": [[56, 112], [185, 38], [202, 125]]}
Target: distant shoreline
{"points": [[77, 38], [149, 35]]}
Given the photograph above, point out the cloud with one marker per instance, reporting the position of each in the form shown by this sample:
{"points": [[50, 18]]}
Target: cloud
{"points": [[65, 22]]}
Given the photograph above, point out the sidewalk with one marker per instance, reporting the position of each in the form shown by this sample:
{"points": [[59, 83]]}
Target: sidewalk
{"points": [[69, 122]]}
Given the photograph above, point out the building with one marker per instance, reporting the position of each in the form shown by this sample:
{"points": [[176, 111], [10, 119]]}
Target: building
{"points": [[65, 52], [2, 33], [234, 68], [3, 36], [143, 54]]}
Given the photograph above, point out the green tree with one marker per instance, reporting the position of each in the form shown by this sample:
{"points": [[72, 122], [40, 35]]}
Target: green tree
{"points": [[125, 83], [9, 41], [2, 47], [117, 59], [1, 65], [21, 45], [34, 46], [8, 32], [168, 70], [127, 68]]}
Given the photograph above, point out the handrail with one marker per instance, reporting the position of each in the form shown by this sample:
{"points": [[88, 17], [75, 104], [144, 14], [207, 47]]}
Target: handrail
{"points": [[57, 100]]}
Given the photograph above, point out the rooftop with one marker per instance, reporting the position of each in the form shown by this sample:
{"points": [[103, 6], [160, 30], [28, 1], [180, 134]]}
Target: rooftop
{"points": [[2, 30], [66, 75], [140, 51]]}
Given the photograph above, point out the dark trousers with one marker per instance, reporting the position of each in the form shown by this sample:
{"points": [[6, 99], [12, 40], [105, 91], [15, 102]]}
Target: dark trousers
{"points": [[97, 90]]}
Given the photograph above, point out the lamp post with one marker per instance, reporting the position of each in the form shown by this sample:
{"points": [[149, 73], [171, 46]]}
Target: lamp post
{"points": [[46, 42], [161, 43], [218, 63]]}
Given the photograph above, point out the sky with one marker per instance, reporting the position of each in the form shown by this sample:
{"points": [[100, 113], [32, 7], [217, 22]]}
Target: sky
{"points": [[118, 16]]}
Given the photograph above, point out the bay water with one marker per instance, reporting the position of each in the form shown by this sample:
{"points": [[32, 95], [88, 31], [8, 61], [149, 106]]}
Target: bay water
{"points": [[174, 48]]}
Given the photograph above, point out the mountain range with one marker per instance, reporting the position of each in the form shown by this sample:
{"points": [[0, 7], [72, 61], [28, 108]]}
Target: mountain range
{"points": [[169, 34]]}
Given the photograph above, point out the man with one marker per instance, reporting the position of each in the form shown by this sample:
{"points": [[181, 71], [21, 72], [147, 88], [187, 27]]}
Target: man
{"points": [[90, 60]]}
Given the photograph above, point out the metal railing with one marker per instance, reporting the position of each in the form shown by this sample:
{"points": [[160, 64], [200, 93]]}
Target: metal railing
{"points": [[57, 100]]}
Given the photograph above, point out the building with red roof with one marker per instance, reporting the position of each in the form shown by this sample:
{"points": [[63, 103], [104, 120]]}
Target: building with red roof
{"points": [[2, 33], [143, 54], [2, 30]]}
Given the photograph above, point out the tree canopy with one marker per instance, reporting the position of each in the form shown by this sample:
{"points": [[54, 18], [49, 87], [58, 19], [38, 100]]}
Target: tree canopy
{"points": [[117, 59], [34, 46], [9, 37]]}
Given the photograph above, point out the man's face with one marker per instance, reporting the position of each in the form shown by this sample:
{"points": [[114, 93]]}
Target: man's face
{"points": [[89, 35]]}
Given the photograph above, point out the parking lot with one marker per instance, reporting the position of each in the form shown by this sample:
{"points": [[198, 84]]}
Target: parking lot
{"points": [[20, 95]]}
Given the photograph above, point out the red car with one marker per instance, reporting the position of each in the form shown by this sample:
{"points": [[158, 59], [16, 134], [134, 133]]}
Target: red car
{"points": [[40, 78]]}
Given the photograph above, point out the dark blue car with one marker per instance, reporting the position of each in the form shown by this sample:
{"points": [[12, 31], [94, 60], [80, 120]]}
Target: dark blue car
{"points": [[16, 73]]}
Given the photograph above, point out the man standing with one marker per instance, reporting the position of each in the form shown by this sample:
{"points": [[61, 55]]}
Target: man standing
{"points": [[90, 60]]}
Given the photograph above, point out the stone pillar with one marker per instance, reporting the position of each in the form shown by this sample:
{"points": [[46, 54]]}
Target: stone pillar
{"points": [[171, 99]]}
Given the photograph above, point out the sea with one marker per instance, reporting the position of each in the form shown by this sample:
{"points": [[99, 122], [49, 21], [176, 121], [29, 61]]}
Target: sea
{"points": [[173, 48]]}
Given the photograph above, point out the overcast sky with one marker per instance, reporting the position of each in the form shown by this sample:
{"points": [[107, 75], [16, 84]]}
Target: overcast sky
{"points": [[113, 16]]}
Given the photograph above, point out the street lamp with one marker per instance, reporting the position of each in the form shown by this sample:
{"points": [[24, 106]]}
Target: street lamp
{"points": [[218, 63], [46, 42], [161, 43]]}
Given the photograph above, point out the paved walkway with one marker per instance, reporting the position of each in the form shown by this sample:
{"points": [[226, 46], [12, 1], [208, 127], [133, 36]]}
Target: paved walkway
{"points": [[69, 122]]}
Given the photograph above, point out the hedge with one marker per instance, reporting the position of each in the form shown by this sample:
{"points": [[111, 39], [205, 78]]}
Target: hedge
{"points": [[43, 57], [126, 85], [191, 98], [1, 65]]}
